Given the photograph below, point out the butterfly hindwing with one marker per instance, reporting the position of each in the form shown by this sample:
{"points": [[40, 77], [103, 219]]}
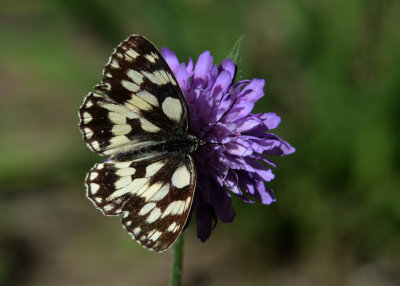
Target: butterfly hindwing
{"points": [[154, 196]]}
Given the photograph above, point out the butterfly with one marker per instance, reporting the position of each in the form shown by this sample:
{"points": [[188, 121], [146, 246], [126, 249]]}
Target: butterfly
{"points": [[139, 118]]}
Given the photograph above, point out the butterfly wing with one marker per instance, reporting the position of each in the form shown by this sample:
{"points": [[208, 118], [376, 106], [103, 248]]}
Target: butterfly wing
{"points": [[143, 103], [153, 195]]}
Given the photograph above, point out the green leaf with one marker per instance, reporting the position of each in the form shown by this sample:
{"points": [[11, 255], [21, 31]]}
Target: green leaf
{"points": [[234, 55]]}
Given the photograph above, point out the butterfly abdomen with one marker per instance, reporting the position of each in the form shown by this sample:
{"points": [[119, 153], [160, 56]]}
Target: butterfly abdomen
{"points": [[182, 145], [179, 145]]}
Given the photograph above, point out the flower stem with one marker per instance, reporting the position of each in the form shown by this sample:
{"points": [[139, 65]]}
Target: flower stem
{"points": [[176, 275]]}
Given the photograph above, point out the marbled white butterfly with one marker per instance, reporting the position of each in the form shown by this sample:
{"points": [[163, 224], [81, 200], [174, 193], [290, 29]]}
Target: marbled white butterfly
{"points": [[140, 120]]}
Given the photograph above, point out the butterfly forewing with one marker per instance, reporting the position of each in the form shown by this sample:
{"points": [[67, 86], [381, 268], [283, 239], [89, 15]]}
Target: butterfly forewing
{"points": [[137, 76], [140, 108], [143, 104], [110, 128]]}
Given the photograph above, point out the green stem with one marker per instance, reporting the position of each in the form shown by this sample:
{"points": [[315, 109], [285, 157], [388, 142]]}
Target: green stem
{"points": [[176, 277]]}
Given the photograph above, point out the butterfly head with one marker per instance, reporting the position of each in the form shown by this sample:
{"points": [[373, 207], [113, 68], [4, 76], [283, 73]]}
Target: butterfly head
{"points": [[195, 143]]}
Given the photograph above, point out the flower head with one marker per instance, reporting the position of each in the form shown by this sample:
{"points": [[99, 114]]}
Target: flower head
{"points": [[236, 140]]}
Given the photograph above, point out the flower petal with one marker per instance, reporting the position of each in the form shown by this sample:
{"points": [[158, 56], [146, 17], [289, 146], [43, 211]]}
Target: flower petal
{"points": [[229, 66], [222, 205], [270, 119], [246, 124], [221, 85], [246, 96], [202, 68], [171, 58], [241, 149], [182, 77], [254, 186], [205, 216], [189, 67]]}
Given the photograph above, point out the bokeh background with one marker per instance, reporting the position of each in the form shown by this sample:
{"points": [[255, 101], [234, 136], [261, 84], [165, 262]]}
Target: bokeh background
{"points": [[333, 74]]}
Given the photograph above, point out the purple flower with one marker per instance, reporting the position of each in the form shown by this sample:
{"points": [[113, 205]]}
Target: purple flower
{"points": [[236, 140]]}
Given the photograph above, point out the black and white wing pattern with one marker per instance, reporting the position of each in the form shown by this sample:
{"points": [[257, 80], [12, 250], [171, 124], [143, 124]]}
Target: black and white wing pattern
{"points": [[140, 120]]}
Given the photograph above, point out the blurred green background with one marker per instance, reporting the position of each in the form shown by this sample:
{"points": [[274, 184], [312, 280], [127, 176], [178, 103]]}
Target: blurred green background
{"points": [[333, 74]]}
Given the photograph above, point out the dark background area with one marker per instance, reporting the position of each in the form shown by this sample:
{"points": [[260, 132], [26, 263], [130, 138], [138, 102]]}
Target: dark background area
{"points": [[332, 70]]}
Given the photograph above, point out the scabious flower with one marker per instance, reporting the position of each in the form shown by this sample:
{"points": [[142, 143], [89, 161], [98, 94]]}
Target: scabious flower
{"points": [[236, 140]]}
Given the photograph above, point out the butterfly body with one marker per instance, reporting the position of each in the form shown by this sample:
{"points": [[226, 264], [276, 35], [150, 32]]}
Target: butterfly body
{"points": [[140, 120], [178, 145]]}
